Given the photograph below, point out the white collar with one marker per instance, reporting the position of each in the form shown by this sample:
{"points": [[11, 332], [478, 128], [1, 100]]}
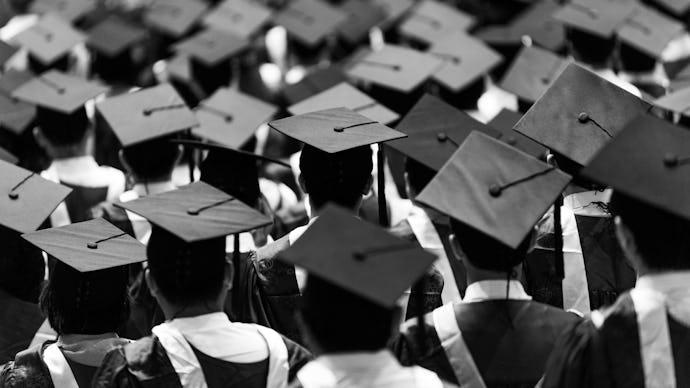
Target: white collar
{"points": [[357, 360], [584, 203], [75, 162], [494, 289], [666, 282], [200, 322], [151, 188]]}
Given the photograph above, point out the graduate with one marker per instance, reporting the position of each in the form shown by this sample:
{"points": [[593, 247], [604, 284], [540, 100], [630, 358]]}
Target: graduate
{"points": [[642, 340], [189, 275], [495, 336], [85, 301], [345, 294]]}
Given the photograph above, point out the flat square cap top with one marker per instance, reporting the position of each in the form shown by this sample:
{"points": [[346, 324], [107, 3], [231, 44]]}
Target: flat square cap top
{"points": [[49, 39], [6, 52], [435, 130], [504, 122], [649, 31], [114, 35], [649, 161], [212, 46], [174, 17], [89, 246], [676, 7], [15, 115], [197, 212], [465, 59], [532, 72], [537, 23], [358, 256], [58, 91], [362, 15], [230, 117], [579, 113], [314, 82], [12, 79], [676, 102], [238, 17], [335, 130], [70, 10], [26, 199], [430, 20], [310, 21], [495, 189], [146, 114], [597, 17], [347, 96], [396, 67]]}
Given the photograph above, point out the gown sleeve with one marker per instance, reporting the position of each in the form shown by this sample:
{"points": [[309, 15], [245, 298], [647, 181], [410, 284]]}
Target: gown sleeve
{"points": [[298, 356]]}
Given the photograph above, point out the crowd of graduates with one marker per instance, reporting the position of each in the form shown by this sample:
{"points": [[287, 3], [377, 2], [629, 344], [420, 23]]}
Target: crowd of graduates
{"points": [[344, 193]]}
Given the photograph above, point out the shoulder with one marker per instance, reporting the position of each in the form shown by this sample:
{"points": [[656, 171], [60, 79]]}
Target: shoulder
{"points": [[27, 370]]}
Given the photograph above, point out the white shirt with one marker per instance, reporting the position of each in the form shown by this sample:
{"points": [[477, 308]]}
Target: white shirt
{"points": [[493, 290], [294, 235], [675, 289]]}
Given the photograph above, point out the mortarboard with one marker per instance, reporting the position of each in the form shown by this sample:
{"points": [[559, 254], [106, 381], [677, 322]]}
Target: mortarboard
{"points": [[394, 10], [12, 79], [676, 7], [146, 114], [113, 36], [211, 47], [59, 92], [197, 212], [230, 150], [360, 257], [314, 82], [15, 115], [676, 102], [6, 156], [396, 67], [532, 72], [431, 20], [238, 17], [597, 17], [6, 52], [536, 22], [174, 17], [69, 10], [658, 173], [362, 15], [230, 117], [504, 122], [347, 96], [649, 31], [27, 199], [435, 130], [49, 39], [495, 189], [89, 246], [465, 59], [579, 113], [310, 21]]}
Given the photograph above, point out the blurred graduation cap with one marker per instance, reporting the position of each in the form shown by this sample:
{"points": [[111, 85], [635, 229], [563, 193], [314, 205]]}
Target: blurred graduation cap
{"points": [[494, 189], [465, 59], [310, 21], [314, 82], [579, 113], [345, 95], [504, 122], [114, 36], [532, 72], [174, 17], [360, 258], [362, 16], [676, 102], [50, 39], [537, 24], [211, 47], [59, 92], [657, 174], [27, 199], [6, 156], [146, 114], [677, 8], [431, 20], [230, 117], [197, 212], [649, 31], [89, 246], [395, 67], [69, 10], [6, 52], [596, 17], [238, 17], [394, 10], [15, 115]]}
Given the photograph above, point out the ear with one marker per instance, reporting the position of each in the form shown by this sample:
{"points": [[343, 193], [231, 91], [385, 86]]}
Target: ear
{"points": [[40, 138], [302, 186], [627, 241], [151, 283], [367, 187], [123, 160], [229, 274], [455, 247], [408, 189]]}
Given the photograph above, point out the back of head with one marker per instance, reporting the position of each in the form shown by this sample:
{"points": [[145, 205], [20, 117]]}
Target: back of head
{"points": [[418, 175], [152, 160], [233, 173], [186, 272], [341, 177], [340, 321], [63, 130], [661, 238], [634, 60], [21, 266], [590, 49]]}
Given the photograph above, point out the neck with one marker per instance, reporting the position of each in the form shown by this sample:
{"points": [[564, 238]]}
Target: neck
{"points": [[475, 274]]}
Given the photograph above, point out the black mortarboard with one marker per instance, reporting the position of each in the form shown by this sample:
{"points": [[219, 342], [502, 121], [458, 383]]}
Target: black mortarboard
{"points": [[362, 16], [532, 72], [212, 46], [69, 10], [239, 17], [431, 20], [174, 17], [314, 82], [50, 39], [59, 92], [649, 31], [113, 36], [596, 17], [504, 122], [310, 21]]}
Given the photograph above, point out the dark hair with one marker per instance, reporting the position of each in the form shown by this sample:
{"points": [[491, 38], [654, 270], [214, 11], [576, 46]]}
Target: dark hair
{"points": [[487, 253], [63, 129], [22, 268], [418, 175], [589, 48], [86, 303], [340, 321], [152, 159], [661, 237], [186, 272], [339, 178], [632, 59]]}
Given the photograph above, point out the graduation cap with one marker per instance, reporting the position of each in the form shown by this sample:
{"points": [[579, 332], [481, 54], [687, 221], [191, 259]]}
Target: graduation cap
{"points": [[495, 189], [597, 17], [537, 24], [89, 246], [174, 17], [394, 10], [579, 113], [431, 20], [114, 36], [345, 95], [6, 52], [360, 258], [649, 31], [658, 173], [230, 117], [396, 67], [314, 82], [69, 10], [362, 16], [434, 132], [12, 79], [197, 212], [146, 114], [50, 39], [677, 8], [212, 47], [27, 199], [59, 92], [6, 156], [676, 102], [238, 17], [310, 21], [532, 72], [465, 59], [15, 115], [504, 122]]}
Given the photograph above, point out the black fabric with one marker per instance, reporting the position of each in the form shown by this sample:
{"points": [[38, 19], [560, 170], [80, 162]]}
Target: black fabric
{"points": [[20, 321], [82, 199], [680, 341], [224, 374], [82, 373]]}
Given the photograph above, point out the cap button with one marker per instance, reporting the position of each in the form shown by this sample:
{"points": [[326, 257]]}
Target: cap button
{"points": [[670, 160], [13, 195], [583, 117], [193, 212], [92, 245], [338, 129], [495, 190], [442, 137]]}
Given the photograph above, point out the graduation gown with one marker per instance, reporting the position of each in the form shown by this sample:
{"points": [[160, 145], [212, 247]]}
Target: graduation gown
{"points": [[20, 320]]}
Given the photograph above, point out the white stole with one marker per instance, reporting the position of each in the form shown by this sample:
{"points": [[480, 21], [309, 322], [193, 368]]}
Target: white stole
{"points": [[60, 372]]}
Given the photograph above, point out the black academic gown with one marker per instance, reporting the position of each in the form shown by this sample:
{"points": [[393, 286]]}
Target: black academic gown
{"points": [[509, 341], [610, 355], [19, 322]]}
